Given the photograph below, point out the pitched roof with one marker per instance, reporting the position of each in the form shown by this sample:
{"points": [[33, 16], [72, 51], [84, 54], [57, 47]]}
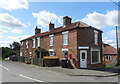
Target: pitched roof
{"points": [[62, 28], [109, 50]]}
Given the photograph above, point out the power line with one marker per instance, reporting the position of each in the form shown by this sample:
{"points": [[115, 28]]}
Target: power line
{"points": [[115, 3]]}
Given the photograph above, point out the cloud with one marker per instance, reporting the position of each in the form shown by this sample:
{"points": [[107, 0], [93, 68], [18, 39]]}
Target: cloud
{"points": [[13, 4], [18, 38], [112, 33], [1, 36], [3, 31], [18, 31], [109, 41], [8, 21], [44, 18], [99, 20], [28, 24], [11, 39]]}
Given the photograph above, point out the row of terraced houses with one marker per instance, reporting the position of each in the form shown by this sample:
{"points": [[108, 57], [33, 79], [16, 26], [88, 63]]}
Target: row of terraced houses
{"points": [[83, 40]]}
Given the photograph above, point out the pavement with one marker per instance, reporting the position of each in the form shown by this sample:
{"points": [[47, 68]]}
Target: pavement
{"points": [[84, 72]]}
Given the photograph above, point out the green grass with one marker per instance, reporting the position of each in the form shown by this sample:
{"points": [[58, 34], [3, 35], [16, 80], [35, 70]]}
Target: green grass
{"points": [[2, 59], [110, 66]]}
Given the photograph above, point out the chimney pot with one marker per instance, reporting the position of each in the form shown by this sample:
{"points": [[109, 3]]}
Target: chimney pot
{"points": [[51, 26], [66, 21], [37, 30]]}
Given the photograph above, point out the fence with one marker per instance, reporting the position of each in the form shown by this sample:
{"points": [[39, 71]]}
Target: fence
{"points": [[37, 61]]}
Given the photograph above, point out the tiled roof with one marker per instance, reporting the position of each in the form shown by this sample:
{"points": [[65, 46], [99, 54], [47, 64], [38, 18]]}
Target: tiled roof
{"points": [[109, 50], [61, 29]]}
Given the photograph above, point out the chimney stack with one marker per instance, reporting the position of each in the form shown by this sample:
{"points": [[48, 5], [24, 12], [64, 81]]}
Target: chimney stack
{"points": [[37, 30], [66, 21], [51, 26]]}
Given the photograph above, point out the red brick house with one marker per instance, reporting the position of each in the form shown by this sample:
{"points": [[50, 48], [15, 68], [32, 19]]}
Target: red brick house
{"points": [[84, 41], [110, 55]]}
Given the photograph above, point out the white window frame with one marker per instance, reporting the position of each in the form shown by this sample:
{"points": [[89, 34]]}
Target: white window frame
{"points": [[25, 52], [20, 53], [30, 53], [109, 56], [33, 44], [50, 51], [38, 41], [51, 39], [65, 37], [99, 59], [96, 37], [22, 43], [83, 47], [63, 50], [26, 43]]}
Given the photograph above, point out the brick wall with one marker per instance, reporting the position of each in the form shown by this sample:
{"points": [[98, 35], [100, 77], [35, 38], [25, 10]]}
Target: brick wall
{"points": [[86, 38], [76, 37], [58, 43]]}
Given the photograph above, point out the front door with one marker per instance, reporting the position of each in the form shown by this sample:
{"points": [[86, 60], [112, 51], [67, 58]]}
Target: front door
{"points": [[83, 58]]}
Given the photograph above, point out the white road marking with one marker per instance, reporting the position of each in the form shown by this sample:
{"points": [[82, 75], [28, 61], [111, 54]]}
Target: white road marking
{"points": [[31, 78], [4, 67]]}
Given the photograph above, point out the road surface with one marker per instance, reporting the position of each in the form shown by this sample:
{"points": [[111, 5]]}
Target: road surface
{"points": [[20, 72]]}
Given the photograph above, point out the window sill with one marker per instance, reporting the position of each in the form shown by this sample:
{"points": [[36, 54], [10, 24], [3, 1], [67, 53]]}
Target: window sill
{"points": [[95, 63], [51, 55], [65, 44]]}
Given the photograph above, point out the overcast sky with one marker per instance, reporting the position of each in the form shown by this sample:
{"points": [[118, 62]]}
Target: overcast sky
{"points": [[18, 18]]}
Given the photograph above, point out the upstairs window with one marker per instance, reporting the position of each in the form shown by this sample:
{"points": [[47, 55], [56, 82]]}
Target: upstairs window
{"points": [[38, 41], [96, 37], [51, 40], [22, 43], [33, 43], [65, 38], [26, 43]]}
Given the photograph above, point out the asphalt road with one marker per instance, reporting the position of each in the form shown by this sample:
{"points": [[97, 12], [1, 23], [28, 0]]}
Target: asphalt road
{"points": [[20, 72]]}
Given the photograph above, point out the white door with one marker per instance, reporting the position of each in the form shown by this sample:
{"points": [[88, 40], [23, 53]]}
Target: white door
{"points": [[83, 58]]}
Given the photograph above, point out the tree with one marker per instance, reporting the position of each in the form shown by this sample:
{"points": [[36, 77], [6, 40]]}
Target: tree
{"points": [[6, 52], [15, 46]]}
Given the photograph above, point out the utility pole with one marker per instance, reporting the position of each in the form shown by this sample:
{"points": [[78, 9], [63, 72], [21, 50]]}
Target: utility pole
{"points": [[117, 45]]}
